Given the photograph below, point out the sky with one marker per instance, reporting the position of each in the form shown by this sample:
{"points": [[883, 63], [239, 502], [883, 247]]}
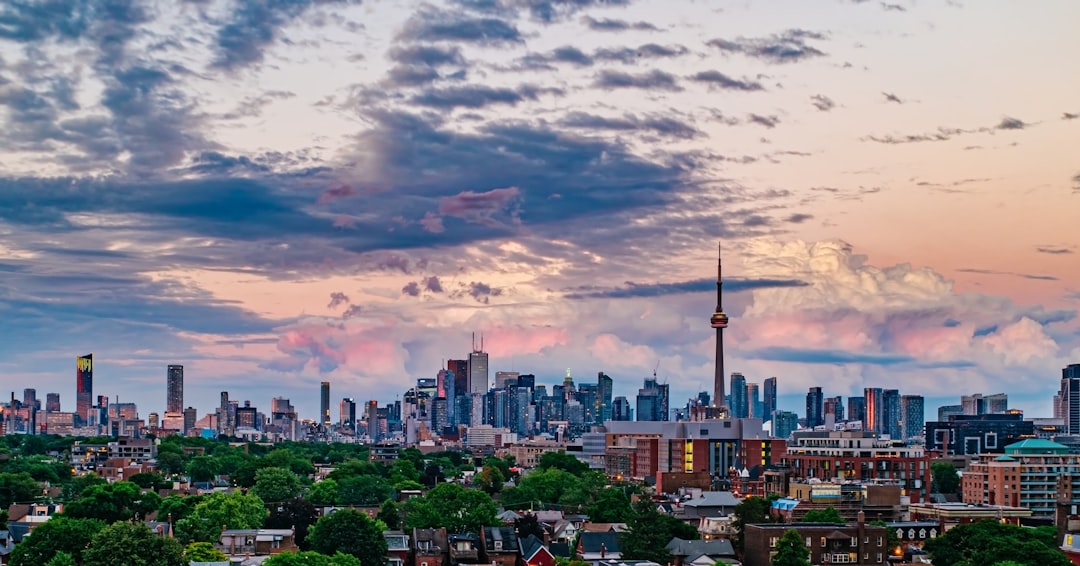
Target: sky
{"points": [[285, 192]]}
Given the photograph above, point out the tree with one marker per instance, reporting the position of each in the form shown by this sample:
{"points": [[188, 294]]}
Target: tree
{"points": [[562, 461], [203, 552], [390, 515], [826, 515], [58, 534], [132, 544], [202, 468], [324, 493], [749, 511], [176, 507], [350, 532], [111, 502], [149, 480], [234, 510], [364, 490], [19, 487], [990, 542], [312, 559], [459, 509], [276, 484], [648, 533], [170, 462], [791, 550], [527, 525], [611, 506], [61, 559], [404, 470], [295, 513], [944, 478], [490, 480], [79, 484]]}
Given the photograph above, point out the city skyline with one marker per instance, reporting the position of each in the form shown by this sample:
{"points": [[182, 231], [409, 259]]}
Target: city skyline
{"points": [[345, 193]]}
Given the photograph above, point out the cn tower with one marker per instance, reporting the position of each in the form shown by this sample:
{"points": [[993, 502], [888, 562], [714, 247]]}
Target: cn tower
{"points": [[719, 321]]}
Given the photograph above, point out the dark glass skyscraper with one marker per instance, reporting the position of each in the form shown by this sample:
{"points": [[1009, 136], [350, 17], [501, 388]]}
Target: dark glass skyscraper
{"points": [[914, 413], [740, 408], [893, 419], [174, 389], [84, 387], [605, 387], [856, 409], [1069, 398], [324, 403], [815, 407], [874, 409], [769, 398]]}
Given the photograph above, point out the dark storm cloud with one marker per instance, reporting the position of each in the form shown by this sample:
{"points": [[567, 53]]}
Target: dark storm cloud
{"points": [[811, 356], [427, 55], [633, 290], [657, 124], [477, 96], [412, 289], [652, 80], [634, 54], [787, 47], [767, 121], [822, 102], [337, 298], [605, 24], [720, 80], [433, 284], [1008, 123], [253, 26], [438, 25], [799, 218], [1035, 277]]}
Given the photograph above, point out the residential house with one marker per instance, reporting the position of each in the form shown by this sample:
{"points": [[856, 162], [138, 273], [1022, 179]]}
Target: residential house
{"points": [[829, 543], [603, 527], [534, 553], [257, 542], [397, 548], [464, 548], [508, 517], [564, 531], [711, 528], [594, 547], [33, 513], [701, 552], [430, 547], [500, 545], [709, 504]]}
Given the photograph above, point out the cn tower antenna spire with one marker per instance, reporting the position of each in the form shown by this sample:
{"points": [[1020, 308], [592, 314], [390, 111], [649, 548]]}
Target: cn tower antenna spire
{"points": [[719, 321]]}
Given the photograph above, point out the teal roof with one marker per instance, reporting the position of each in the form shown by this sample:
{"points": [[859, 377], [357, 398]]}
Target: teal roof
{"points": [[1004, 458], [1036, 446]]}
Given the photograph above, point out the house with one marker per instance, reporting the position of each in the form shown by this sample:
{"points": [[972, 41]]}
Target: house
{"points": [[258, 542], [564, 531], [397, 547], [829, 543], [701, 552], [709, 504], [603, 527], [627, 563], [500, 545], [548, 516], [534, 553], [33, 512], [508, 517], [430, 547], [464, 548], [594, 547]]}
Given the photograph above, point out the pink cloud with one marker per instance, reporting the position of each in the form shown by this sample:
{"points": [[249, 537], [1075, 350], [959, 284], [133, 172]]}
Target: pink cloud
{"points": [[336, 192], [504, 342], [480, 208]]}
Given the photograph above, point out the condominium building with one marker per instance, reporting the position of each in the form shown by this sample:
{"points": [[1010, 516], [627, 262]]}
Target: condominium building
{"points": [[1025, 476]]}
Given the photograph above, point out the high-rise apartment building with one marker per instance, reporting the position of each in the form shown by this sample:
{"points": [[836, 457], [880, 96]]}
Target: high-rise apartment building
{"points": [[460, 369], [174, 389], [753, 402], [84, 388], [478, 369], [52, 402], [605, 386], [875, 409], [892, 421], [1069, 398], [784, 423], [504, 379], [979, 404], [856, 409], [620, 409], [912, 409], [347, 413], [372, 418], [324, 403], [815, 407], [834, 406], [740, 409], [946, 411], [769, 398]]}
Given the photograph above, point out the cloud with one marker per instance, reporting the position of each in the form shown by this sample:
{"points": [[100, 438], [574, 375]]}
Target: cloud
{"points": [[337, 298], [892, 7], [767, 121], [427, 55], [635, 290], [787, 47], [1008, 123], [799, 218], [412, 289], [481, 208], [890, 97], [437, 25], [720, 80], [822, 102], [480, 292], [633, 55], [253, 26], [475, 96], [662, 125], [1054, 250], [1069, 116], [1014, 274], [336, 192], [813, 356], [433, 284], [606, 24], [652, 80], [1076, 182]]}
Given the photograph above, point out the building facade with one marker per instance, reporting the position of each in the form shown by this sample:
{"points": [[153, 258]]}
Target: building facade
{"points": [[1026, 475]]}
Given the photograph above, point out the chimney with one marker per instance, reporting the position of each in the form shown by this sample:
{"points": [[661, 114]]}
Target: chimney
{"points": [[860, 520], [603, 551]]}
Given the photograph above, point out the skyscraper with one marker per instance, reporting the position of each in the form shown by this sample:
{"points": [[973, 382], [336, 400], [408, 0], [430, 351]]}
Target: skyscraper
{"points": [[84, 387], [52, 402], [620, 409], [892, 420], [478, 368], [347, 414], [460, 369], [1069, 398], [913, 409], [740, 409], [753, 402], [719, 321], [874, 409], [856, 409], [174, 389], [324, 403], [769, 400], [605, 387], [815, 407]]}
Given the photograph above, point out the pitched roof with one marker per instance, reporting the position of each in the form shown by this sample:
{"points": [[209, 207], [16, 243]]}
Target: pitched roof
{"points": [[695, 548], [531, 546], [591, 542], [505, 534], [713, 499]]}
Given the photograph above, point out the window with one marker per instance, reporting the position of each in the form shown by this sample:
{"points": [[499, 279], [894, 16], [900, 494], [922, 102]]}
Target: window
{"points": [[854, 541], [865, 556], [879, 541], [822, 542], [772, 542], [809, 541], [879, 557], [866, 540]]}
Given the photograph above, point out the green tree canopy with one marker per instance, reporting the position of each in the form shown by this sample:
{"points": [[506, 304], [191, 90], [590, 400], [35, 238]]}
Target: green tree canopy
{"points": [[18, 488], [826, 515], [648, 533], [132, 544], [150, 480], [357, 467], [61, 559], [990, 542], [276, 484], [324, 493], [202, 468], [203, 552], [611, 506], [350, 532], [489, 480], [74, 488], [111, 502], [791, 550], [749, 511], [364, 490], [390, 515], [58, 534], [234, 510], [527, 525], [562, 461], [176, 507], [295, 513], [310, 558], [944, 478], [459, 509]]}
